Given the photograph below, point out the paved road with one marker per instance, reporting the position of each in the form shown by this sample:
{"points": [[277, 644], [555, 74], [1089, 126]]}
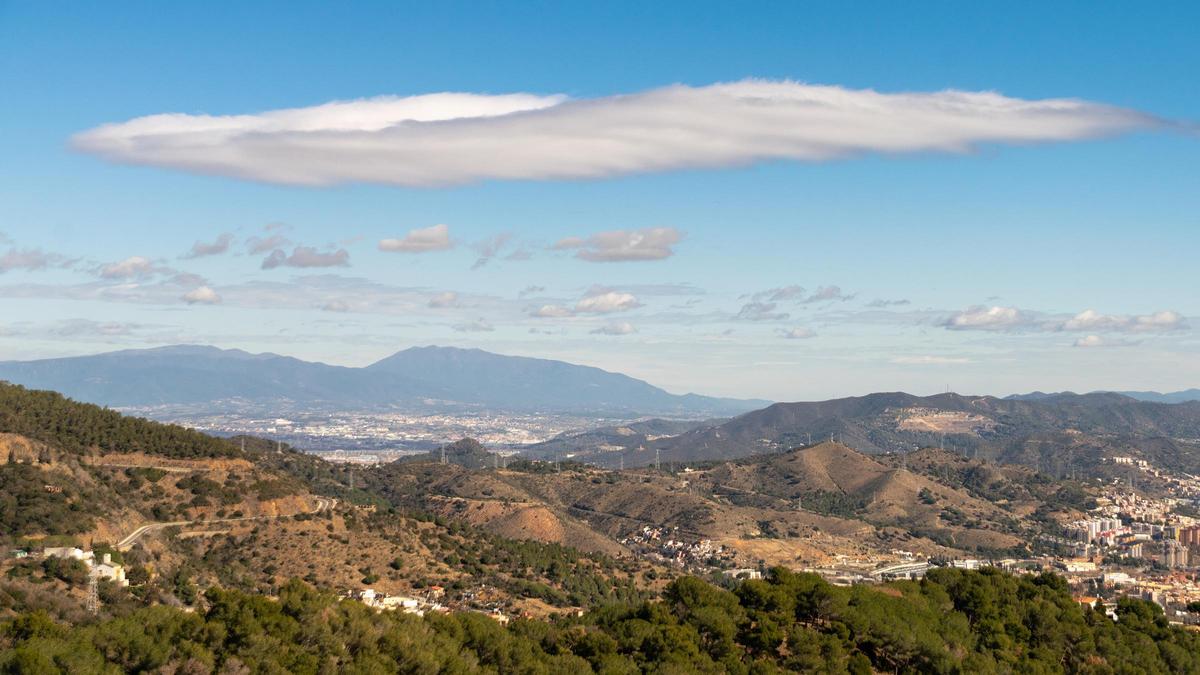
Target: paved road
{"points": [[167, 469], [323, 504]]}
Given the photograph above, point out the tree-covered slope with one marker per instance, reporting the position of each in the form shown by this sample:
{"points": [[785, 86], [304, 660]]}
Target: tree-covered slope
{"points": [[83, 428], [952, 622]]}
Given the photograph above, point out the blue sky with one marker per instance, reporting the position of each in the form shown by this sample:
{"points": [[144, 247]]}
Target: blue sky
{"points": [[1065, 262]]}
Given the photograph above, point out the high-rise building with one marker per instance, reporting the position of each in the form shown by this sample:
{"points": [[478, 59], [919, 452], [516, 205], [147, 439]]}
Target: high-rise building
{"points": [[1174, 554]]}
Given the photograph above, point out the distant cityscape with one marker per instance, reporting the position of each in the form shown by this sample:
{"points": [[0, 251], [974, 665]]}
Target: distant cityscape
{"points": [[379, 436]]}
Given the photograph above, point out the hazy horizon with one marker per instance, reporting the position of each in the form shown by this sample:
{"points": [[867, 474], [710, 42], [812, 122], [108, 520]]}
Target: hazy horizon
{"points": [[665, 387]]}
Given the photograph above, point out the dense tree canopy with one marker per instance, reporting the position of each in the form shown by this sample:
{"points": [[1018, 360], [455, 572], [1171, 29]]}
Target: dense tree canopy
{"points": [[80, 427], [954, 621]]}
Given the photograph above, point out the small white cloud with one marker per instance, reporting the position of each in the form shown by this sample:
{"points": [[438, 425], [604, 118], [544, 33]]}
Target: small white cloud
{"points": [[624, 245], [606, 303], [880, 303], [476, 326], [1091, 320], [797, 334], [988, 318], [781, 294], [131, 268], [827, 294], [260, 245], [798, 294], [1095, 341], [201, 296], [760, 311], [307, 256], [29, 259], [201, 249], [444, 300], [423, 240], [615, 328], [552, 312]]}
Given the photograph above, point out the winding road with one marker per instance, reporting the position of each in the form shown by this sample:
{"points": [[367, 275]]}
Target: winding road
{"points": [[323, 504]]}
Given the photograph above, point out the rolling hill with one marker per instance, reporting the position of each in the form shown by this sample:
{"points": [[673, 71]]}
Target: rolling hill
{"points": [[806, 505], [180, 509], [427, 376], [1017, 430]]}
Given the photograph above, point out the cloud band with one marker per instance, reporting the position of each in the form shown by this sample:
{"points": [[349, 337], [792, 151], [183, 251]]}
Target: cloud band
{"points": [[454, 138]]}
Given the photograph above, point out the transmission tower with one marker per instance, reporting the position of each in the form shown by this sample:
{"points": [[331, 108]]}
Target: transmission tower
{"points": [[443, 454], [657, 460], [92, 603]]}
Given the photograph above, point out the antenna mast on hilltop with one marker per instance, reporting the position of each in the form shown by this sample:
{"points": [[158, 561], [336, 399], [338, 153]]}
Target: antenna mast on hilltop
{"points": [[443, 448], [657, 460], [243, 445], [621, 463]]}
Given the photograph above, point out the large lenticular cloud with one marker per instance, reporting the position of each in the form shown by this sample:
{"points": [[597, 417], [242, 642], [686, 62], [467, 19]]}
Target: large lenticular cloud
{"points": [[453, 138]]}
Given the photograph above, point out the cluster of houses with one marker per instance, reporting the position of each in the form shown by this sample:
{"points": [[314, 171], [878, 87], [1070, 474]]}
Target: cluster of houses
{"points": [[664, 545], [382, 601], [105, 568], [419, 606]]}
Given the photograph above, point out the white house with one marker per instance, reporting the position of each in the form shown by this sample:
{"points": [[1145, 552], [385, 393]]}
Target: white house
{"points": [[69, 552]]}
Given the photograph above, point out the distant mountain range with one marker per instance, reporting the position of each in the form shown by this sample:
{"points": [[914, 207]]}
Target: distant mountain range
{"points": [[1041, 432], [447, 376], [1151, 396]]}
